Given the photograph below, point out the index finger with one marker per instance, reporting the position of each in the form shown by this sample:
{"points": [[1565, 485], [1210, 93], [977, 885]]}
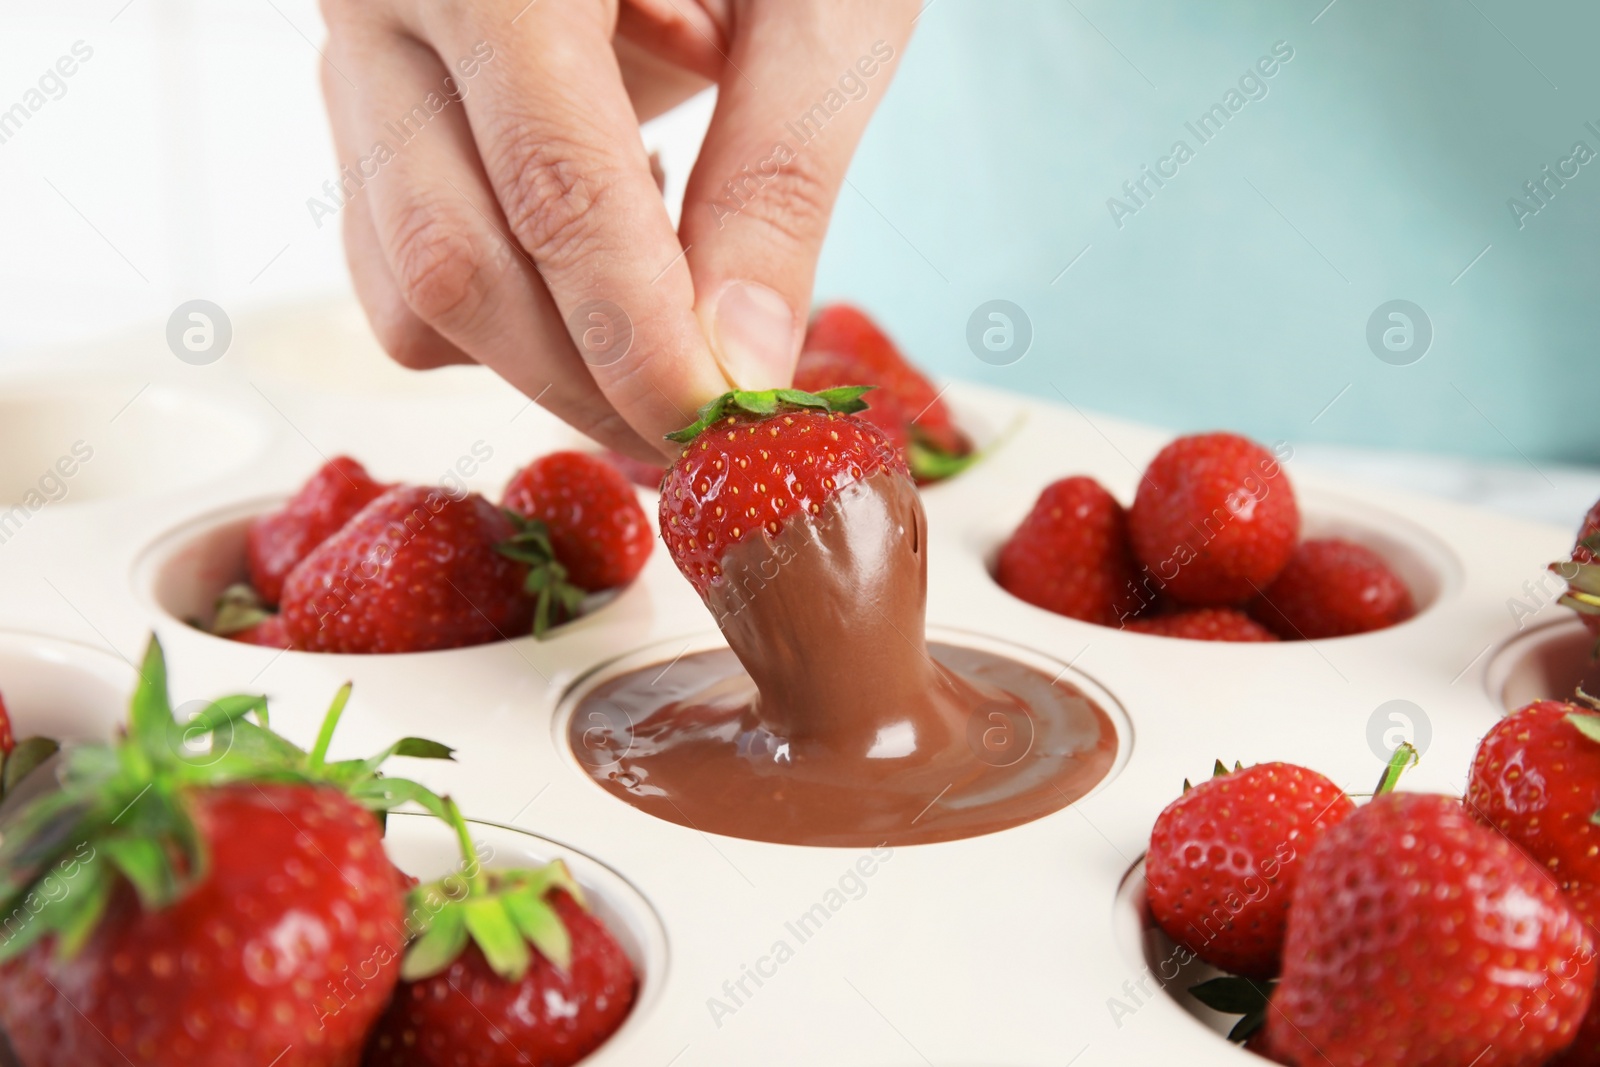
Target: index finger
{"points": [[561, 146]]}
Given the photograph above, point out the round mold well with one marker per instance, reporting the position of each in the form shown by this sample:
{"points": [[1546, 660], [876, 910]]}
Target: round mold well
{"points": [[61, 689], [1548, 662], [63, 443], [426, 848], [668, 651], [1425, 563], [1170, 970], [182, 572]]}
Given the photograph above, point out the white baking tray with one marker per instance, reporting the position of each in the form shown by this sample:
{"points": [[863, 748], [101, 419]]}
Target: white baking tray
{"points": [[1023, 948]]}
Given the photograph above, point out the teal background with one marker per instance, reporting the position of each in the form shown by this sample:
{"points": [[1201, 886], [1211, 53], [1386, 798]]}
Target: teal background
{"points": [[1377, 167]]}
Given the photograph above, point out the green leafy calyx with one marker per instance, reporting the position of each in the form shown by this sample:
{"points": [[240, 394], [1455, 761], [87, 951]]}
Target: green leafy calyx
{"points": [[556, 599], [844, 400], [507, 914], [1232, 995], [122, 810]]}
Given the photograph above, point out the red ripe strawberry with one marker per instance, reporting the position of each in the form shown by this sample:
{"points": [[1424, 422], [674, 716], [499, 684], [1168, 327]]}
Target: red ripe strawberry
{"points": [[1417, 936], [1582, 573], [235, 909], [1332, 588], [276, 542], [1215, 519], [1536, 779], [538, 979], [1225, 858], [644, 475], [821, 369], [270, 632], [864, 355], [416, 570], [1071, 555], [7, 740], [596, 527], [754, 461], [1204, 624]]}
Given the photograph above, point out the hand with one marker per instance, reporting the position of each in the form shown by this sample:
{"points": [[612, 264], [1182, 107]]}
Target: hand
{"points": [[501, 208]]}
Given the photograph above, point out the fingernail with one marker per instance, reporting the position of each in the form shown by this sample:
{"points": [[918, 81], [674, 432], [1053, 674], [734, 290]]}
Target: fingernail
{"points": [[753, 336]]}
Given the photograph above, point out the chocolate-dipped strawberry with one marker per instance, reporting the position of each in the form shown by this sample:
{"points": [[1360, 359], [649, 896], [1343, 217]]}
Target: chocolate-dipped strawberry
{"points": [[799, 525]]}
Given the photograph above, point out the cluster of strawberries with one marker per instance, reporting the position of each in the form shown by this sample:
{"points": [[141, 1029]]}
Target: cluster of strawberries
{"points": [[232, 903], [844, 347], [1417, 928], [1210, 551], [350, 564]]}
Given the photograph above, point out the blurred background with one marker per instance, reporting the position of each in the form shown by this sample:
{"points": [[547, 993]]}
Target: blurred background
{"points": [[1336, 261]]}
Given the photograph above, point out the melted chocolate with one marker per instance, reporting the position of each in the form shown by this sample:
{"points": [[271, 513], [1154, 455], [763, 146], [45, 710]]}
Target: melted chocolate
{"points": [[830, 720]]}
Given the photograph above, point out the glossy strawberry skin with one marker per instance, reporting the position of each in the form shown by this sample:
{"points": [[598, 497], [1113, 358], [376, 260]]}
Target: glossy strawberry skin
{"points": [[1536, 779], [1071, 555], [8, 740], [467, 1014], [1333, 588], [415, 571], [1225, 858], [1214, 520], [1204, 624], [1418, 936], [598, 529], [331, 498], [289, 948], [747, 476], [874, 359]]}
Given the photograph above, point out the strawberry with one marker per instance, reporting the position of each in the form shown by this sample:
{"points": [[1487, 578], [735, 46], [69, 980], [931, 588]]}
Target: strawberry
{"points": [[862, 353], [1582, 573], [757, 460], [1071, 555], [1214, 520], [269, 632], [515, 970], [1332, 588], [276, 542], [1225, 857], [233, 907], [7, 740], [1418, 936], [1536, 779], [597, 529], [1204, 624], [415, 570]]}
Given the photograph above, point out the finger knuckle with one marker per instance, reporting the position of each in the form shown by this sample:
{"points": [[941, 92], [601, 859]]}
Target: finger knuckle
{"points": [[441, 269], [553, 204], [794, 203], [409, 341]]}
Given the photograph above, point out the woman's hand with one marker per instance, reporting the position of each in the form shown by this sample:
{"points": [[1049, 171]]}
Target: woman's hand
{"points": [[499, 205]]}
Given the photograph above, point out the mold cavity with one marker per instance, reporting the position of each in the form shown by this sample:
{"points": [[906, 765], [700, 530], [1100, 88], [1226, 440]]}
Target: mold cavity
{"points": [[426, 848], [64, 443], [676, 729], [1549, 662], [63, 690], [1427, 566]]}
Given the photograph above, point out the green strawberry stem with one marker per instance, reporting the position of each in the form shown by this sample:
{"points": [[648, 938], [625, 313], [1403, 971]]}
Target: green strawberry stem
{"points": [[1232, 995], [506, 916], [556, 599], [930, 463], [127, 805], [238, 608], [1402, 757], [845, 400]]}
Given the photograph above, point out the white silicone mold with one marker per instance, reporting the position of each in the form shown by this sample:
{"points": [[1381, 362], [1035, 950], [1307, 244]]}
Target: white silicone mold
{"points": [[1011, 950]]}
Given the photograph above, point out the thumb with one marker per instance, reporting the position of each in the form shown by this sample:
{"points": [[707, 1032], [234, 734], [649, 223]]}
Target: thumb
{"points": [[800, 84]]}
